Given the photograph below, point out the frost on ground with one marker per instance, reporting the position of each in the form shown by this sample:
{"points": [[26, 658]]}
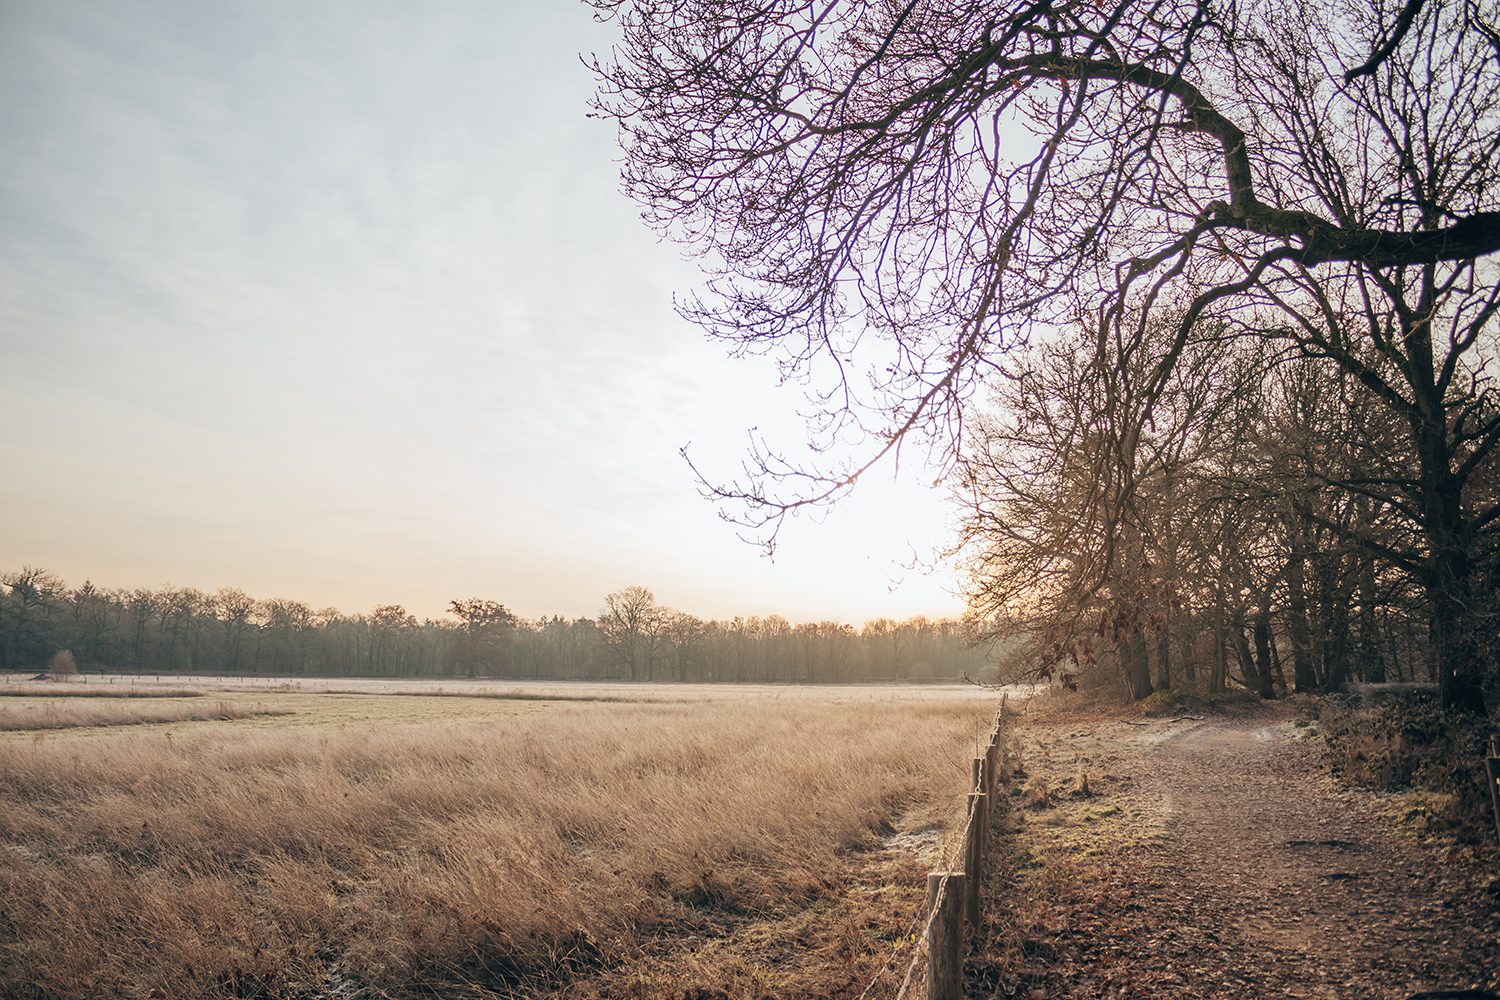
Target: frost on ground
{"points": [[1214, 858]]}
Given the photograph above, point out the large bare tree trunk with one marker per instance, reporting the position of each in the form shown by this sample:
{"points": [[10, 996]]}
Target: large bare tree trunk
{"points": [[1164, 659], [1372, 652], [1449, 575], [1304, 673], [1335, 638], [1186, 652], [1255, 671], [1221, 645], [1134, 662], [1263, 670]]}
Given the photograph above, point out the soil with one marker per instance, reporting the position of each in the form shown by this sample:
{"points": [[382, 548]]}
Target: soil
{"points": [[1214, 857]]}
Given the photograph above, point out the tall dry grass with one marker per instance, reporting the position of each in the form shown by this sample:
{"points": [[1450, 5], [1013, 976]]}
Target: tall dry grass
{"points": [[75, 713], [47, 689], [441, 858]]}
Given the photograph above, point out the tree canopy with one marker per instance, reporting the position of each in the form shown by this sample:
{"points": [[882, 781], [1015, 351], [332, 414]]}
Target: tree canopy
{"points": [[897, 198]]}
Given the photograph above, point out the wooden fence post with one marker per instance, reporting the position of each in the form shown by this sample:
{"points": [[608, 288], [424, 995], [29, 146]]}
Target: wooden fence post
{"points": [[974, 857], [945, 960], [1492, 768], [1003, 764], [991, 764]]}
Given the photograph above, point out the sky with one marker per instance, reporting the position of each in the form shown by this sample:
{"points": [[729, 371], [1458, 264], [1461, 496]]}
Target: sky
{"points": [[341, 302]]}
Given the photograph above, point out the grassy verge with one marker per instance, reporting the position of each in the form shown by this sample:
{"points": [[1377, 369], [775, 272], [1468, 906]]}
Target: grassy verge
{"points": [[43, 689], [1180, 701]]}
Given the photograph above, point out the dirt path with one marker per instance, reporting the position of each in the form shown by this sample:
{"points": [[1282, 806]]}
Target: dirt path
{"points": [[1212, 858]]}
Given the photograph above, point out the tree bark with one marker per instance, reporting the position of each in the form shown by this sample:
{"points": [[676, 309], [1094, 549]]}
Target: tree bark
{"points": [[1304, 673], [1248, 667], [1164, 660], [1334, 641], [1263, 670], [1372, 653], [1449, 570], [1186, 652], [1136, 665], [1221, 646]]}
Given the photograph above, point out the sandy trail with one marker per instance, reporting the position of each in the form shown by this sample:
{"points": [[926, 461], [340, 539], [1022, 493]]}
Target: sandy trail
{"points": [[1214, 858]]}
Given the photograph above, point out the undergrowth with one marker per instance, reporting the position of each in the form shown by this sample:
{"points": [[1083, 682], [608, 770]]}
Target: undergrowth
{"points": [[1112, 701], [1413, 744], [73, 714], [1181, 701]]}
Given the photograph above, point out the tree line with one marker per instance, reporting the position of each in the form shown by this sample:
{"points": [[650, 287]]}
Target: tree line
{"points": [[183, 630], [1269, 537]]}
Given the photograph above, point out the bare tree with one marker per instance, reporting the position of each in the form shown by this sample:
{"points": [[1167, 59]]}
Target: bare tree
{"points": [[936, 181], [235, 611], [488, 630], [182, 630], [392, 629], [681, 637], [27, 598], [631, 624], [62, 665]]}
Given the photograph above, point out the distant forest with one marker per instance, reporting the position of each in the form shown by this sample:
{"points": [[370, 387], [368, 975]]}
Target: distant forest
{"points": [[182, 630]]}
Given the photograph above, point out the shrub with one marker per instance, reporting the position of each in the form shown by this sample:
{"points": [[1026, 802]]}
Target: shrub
{"points": [[62, 664]]}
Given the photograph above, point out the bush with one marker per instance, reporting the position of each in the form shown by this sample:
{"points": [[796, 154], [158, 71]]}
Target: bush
{"points": [[1412, 743], [62, 664]]}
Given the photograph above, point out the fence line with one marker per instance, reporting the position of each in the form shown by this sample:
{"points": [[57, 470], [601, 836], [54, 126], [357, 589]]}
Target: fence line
{"points": [[953, 911], [954, 920]]}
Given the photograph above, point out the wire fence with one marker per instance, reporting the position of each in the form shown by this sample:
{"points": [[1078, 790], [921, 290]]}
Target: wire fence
{"points": [[952, 912]]}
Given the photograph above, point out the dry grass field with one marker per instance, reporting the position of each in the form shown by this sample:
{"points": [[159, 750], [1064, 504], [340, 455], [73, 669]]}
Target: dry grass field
{"points": [[375, 844]]}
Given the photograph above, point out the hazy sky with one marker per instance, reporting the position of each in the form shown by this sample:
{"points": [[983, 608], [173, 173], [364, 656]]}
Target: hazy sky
{"points": [[340, 302]]}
